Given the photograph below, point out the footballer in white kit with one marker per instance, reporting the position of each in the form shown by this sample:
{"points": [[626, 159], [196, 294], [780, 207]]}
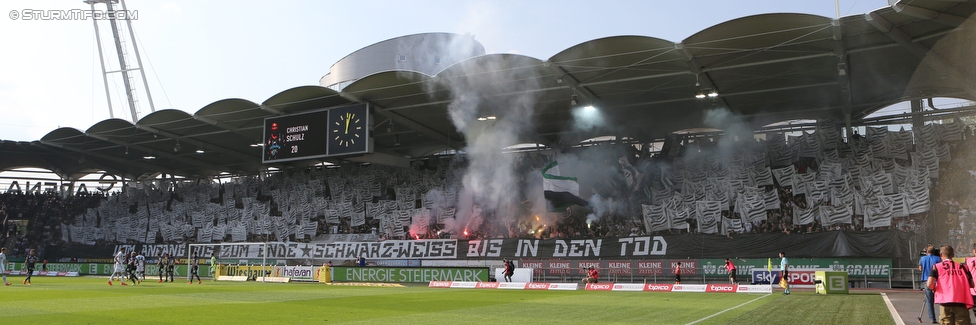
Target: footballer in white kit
{"points": [[141, 266], [3, 265], [119, 267]]}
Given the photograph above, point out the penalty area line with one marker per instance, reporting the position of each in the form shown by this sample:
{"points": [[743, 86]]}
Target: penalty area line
{"points": [[727, 309]]}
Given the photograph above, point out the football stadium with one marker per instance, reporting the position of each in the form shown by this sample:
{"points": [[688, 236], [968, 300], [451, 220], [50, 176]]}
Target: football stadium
{"points": [[771, 169]]}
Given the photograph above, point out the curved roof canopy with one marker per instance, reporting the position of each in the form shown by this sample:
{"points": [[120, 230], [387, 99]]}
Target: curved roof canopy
{"points": [[765, 68]]}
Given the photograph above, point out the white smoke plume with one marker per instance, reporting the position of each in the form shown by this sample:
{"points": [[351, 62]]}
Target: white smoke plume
{"points": [[738, 133], [483, 88], [600, 208]]}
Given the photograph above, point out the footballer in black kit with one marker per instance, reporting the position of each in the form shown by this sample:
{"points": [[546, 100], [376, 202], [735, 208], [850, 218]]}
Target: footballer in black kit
{"points": [[194, 270], [30, 262], [130, 268]]}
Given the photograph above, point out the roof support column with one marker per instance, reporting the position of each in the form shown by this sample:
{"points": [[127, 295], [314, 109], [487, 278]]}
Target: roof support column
{"points": [[917, 120], [698, 70], [843, 77], [578, 88]]}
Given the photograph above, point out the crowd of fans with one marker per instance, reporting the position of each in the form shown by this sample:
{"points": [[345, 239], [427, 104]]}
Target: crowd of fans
{"points": [[34, 220], [955, 199]]}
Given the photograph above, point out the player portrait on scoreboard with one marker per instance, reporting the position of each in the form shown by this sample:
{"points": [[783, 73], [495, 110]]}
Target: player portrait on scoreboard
{"points": [[273, 143]]}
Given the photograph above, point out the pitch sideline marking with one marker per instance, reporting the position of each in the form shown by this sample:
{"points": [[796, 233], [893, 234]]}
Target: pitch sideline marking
{"points": [[728, 309], [891, 309]]}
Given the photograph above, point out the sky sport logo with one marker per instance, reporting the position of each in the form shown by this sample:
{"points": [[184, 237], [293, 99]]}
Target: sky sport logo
{"points": [[73, 14]]}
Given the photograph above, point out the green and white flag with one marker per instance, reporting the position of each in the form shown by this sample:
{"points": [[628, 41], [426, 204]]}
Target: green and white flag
{"points": [[560, 191]]}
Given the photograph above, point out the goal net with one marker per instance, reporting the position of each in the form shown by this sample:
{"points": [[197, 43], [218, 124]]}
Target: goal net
{"points": [[232, 260]]}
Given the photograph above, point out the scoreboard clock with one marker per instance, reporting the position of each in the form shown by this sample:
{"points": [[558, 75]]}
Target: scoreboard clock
{"points": [[331, 132], [348, 130]]}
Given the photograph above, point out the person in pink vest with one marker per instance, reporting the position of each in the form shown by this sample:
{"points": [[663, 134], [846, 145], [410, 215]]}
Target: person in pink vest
{"points": [[677, 273], [971, 265], [951, 282], [592, 275], [729, 266]]}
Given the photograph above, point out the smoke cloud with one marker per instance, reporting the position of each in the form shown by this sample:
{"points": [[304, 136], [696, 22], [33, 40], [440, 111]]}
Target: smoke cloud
{"points": [[488, 110], [738, 132]]}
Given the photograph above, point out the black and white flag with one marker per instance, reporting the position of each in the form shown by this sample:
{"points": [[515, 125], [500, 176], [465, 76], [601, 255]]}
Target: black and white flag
{"points": [[732, 225], [771, 200], [899, 205], [709, 216], [817, 193], [804, 216], [762, 176], [917, 198], [831, 215], [784, 176], [751, 208], [878, 214], [655, 218]]}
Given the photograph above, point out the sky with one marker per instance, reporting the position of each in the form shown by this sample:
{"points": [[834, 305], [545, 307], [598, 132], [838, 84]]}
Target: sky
{"points": [[198, 52]]}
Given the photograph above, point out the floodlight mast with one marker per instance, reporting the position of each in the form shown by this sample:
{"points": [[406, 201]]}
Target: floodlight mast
{"points": [[124, 67]]}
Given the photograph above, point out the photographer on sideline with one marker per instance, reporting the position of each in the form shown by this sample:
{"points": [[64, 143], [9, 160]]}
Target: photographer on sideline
{"points": [[925, 266]]}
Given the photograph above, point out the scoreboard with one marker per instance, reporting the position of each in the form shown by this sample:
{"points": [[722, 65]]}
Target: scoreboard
{"points": [[334, 132]]}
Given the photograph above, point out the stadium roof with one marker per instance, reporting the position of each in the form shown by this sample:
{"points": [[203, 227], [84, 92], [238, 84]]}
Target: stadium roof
{"points": [[766, 68]]}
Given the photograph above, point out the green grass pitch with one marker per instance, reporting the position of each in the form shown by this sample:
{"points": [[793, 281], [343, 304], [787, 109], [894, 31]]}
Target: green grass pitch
{"points": [[89, 300]]}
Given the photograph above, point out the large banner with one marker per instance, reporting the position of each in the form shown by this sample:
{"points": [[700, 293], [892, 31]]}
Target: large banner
{"points": [[407, 275], [104, 253], [838, 244], [391, 249]]}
